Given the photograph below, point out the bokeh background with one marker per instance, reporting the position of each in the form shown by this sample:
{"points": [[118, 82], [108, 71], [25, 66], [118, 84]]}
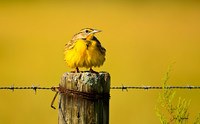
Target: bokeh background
{"points": [[142, 39]]}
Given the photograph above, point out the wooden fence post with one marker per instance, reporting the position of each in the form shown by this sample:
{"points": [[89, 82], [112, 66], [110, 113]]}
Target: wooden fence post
{"points": [[77, 110]]}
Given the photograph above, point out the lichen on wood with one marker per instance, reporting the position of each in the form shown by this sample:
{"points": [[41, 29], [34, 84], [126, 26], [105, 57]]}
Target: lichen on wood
{"points": [[76, 110]]}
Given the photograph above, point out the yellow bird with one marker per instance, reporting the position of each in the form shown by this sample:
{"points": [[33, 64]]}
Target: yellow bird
{"points": [[84, 50]]}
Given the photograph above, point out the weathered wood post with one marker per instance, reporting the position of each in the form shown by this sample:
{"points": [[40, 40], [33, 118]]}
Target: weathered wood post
{"points": [[85, 106]]}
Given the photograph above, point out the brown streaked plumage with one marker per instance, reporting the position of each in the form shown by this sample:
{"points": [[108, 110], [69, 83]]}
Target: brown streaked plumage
{"points": [[84, 50]]}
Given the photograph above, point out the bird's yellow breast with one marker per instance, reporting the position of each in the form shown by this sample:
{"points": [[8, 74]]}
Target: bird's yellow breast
{"points": [[84, 54]]}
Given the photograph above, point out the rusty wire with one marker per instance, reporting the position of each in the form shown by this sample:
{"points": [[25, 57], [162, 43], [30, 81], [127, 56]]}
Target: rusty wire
{"points": [[60, 89], [94, 95], [120, 87], [81, 94], [63, 90]]}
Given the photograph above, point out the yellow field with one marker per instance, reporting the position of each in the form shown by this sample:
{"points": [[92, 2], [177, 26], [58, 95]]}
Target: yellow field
{"points": [[142, 39]]}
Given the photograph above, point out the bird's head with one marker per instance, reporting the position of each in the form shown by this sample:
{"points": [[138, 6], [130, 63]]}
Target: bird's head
{"points": [[88, 33]]}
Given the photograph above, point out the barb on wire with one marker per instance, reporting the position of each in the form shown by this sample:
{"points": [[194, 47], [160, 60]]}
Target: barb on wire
{"points": [[123, 87], [12, 88], [155, 87], [93, 95], [33, 87]]}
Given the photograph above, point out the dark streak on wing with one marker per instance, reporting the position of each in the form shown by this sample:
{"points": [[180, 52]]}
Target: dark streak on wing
{"points": [[102, 49], [95, 39], [72, 42]]}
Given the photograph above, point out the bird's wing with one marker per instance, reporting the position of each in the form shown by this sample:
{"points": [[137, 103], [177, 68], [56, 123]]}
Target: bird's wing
{"points": [[101, 49], [70, 44]]}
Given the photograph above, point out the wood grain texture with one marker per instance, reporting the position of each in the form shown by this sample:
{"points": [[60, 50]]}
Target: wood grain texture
{"points": [[76, 110]]}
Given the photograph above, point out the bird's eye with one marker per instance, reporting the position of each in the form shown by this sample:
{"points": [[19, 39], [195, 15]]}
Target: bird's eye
{"points": [[87, 31]]}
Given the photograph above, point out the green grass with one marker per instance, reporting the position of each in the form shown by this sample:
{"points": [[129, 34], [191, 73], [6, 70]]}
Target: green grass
{"points": [[170, 111]]}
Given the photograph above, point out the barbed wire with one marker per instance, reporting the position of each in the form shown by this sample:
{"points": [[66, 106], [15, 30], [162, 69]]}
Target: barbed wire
{"points": [[93, 95], [118, 87], [155, 87], [33, 88]]}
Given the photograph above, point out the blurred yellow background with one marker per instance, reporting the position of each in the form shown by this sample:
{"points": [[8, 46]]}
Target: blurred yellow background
{"points": [[142, 39]]}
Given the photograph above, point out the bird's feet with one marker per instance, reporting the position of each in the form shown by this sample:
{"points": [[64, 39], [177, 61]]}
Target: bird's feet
{"points": [[92, 71], [76, 70]]}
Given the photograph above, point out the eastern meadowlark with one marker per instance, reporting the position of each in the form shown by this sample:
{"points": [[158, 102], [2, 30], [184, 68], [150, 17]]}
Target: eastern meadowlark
{"points": [[84, 50]]}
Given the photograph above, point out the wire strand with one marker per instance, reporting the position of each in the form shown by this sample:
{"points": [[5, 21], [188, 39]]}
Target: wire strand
{"points": [[118, 87]]}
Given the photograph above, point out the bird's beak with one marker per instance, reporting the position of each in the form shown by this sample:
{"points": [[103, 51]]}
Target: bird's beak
{"points": [[95, 31]]}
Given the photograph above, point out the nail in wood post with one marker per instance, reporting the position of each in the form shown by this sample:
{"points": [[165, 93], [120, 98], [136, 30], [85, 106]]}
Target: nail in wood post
{"points": [[77, 110]]}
